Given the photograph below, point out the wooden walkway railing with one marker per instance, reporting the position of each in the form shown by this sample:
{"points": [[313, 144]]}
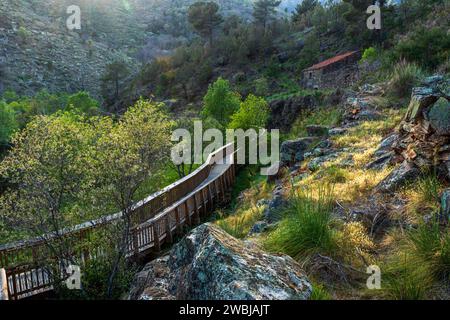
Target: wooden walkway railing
{"points": [[156, 219]]}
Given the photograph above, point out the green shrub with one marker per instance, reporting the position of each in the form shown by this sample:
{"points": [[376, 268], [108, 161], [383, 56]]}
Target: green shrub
{"points": [[403, 78], [369, 55], [261, 87], [426, 47], [253, 113], [8, 123], [83, 102], [307, 228], [94, 281], [220, 102]]}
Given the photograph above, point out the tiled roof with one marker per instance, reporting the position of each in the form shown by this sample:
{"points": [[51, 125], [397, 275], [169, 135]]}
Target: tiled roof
{"points": [[327, 62]]}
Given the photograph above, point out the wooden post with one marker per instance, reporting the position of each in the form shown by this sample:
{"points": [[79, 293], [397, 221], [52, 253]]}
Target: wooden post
{"points": [[135, 242], [187, 213], [3, 285], [196, 213], [178, 220], [169, 236], [210, 199], [222, 188], [157, 244], [202, 201]]}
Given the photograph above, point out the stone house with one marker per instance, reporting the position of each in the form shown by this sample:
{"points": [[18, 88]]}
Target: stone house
{"points": [[341, 70]]}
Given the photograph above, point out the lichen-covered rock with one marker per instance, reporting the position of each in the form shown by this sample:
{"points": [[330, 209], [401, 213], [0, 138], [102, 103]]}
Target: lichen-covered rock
{"points": [[406, 172], [294, 150], [209, 264], [439, 117], [445, 204]]}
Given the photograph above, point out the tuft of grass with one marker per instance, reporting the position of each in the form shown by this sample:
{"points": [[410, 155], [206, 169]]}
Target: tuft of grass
{"points": [[320, 293], [307, 227], [334, 174], [404, 77], [406, 279], [239, 224], [423, 196], [245, 212], [432, 245]]}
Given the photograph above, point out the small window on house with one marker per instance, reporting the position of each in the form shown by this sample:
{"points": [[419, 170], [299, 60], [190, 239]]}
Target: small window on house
{"points": [[310, 75]]}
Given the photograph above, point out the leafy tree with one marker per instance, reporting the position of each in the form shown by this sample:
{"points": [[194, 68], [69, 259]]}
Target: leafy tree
{"points": [[264, 10], [127, 155], [220, 102], [8, 123], [67, 168], [84, 103], [47, 167], [253, 113], [204, 17], [426, 47]]}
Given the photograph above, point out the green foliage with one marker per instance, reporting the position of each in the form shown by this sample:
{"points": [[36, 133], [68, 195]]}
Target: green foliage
{"points": [[369, 55], [204, 17], [8, 123], [67, 168], [406, 279], [23, 34], [403, 78], [261, 87], [83, 102], [253, 113], [430, 243], [307, 228], [94, 281], [220, 102], [426, 47], [112, 78], [303, 8], [320, 293], [264, 11]]}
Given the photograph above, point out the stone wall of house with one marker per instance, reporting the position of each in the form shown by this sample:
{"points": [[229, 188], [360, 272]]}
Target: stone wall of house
{"points": [[338, 74]]}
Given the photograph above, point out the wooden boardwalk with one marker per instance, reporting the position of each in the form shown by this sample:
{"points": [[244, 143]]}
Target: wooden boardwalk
{"points": [[156, 219]]}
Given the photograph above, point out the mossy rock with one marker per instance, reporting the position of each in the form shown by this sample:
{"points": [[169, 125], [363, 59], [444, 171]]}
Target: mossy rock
{"points": [[439, 116]]}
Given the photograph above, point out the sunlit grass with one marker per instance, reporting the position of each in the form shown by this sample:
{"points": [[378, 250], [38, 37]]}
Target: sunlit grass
{"points": [[246, 212], [307, 228]]}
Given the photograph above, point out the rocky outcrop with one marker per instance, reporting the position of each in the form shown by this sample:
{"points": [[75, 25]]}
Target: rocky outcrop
{"points": [[403, 174], [285, 111], [423, 138], [293, 151], [209, 264]]}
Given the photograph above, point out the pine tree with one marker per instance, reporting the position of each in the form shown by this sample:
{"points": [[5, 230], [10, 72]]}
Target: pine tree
{"points": [[205, 17], [264, 10]]}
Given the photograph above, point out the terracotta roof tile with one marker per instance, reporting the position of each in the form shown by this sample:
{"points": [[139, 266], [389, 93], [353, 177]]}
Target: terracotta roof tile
{"points": [[327, 62]]}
